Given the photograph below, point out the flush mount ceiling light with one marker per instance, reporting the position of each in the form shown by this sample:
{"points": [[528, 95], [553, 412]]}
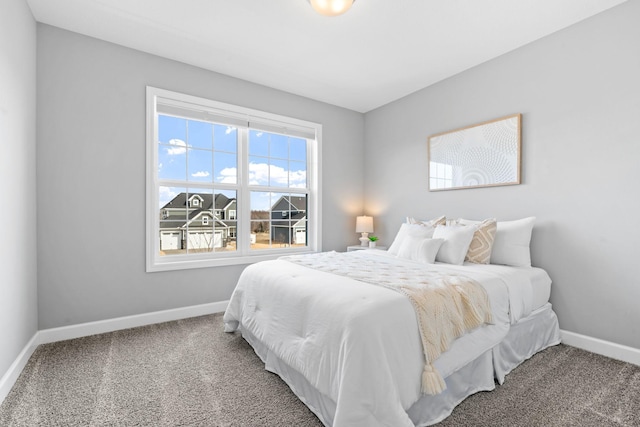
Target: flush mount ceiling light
{"points": [[331, 7]]}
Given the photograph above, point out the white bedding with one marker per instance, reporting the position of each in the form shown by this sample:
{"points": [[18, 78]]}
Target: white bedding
{"points": [[530, 287], [358, 344]]}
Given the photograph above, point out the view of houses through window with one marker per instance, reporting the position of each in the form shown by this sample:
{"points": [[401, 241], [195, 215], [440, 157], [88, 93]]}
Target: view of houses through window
{"points": [[206, 222], [197, 222], [225, 186]]}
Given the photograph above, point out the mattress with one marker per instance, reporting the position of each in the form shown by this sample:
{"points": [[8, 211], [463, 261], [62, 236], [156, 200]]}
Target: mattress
{"points": [[351, 350]]}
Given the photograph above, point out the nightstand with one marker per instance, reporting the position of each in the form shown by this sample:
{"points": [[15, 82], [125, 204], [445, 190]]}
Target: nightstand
{"points": [[361, 248]]}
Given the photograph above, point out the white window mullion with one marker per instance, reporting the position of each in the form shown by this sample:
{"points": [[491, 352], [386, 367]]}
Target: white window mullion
{"points": [[314, 202], [244, 195]]}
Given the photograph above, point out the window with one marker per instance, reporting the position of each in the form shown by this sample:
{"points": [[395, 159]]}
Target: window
{"points": [[226, 184]]}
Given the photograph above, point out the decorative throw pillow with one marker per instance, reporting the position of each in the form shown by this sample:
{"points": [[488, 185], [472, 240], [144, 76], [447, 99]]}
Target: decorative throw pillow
{"points": [[441, 220], [409, 230], [420, 249], [482, 243], [456, 243]]}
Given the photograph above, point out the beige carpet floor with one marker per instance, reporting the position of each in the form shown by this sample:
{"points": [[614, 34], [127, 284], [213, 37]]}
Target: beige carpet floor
{"points": [[190, 373]]}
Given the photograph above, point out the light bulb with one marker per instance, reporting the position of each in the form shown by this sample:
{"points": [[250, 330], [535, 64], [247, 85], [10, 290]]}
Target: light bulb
{"points": [[331, 7]]}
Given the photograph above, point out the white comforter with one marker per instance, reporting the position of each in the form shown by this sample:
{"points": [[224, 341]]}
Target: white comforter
{"points": [[358, 343]]}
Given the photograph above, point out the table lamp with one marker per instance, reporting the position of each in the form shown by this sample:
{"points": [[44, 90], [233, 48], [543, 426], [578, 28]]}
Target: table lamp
{"points": [[364, 225]]}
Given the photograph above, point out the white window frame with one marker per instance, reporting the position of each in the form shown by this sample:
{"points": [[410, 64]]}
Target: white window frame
{"points": [[243, 254]]}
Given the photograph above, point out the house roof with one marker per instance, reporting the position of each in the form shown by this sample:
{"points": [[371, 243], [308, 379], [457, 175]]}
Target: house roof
{"points": [[298, 202], [210, 202], [220, 202], [293, 203]]}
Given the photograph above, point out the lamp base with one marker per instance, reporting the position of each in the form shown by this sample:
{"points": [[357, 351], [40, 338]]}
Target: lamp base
{"points": [[364, 240]]}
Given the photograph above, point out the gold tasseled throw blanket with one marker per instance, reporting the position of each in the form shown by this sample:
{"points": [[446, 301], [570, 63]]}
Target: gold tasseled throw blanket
{"points": [[446, 305]]}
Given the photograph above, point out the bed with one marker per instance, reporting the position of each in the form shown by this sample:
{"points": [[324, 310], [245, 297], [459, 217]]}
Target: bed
{"points": [[352, 350]]}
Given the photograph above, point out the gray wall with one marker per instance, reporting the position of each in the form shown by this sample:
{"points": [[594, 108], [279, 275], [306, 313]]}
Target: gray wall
{"points": [[579, 93], [18, 303], [91, 177]]}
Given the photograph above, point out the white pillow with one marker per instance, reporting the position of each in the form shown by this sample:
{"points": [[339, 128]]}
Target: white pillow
{"points": [[420, 249], [511, 246], [457, 239], [409, 230]]}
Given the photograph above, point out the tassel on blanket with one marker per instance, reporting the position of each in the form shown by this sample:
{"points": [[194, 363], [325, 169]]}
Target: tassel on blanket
{"points": [[432, 382]]}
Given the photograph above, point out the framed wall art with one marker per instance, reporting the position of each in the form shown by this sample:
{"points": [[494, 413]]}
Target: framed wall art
{"points": [[481, 155]]}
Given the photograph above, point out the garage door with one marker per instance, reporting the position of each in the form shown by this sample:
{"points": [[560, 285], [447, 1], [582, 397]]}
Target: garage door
{"points": [[301, 237], [169, 240], [204, 239]]}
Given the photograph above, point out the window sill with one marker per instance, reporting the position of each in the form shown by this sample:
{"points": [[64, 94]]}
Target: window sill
{"points": [[179, 263]]}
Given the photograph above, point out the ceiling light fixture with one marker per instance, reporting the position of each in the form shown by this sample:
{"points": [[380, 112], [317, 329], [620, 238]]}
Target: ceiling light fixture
{"points": [[331, 7]]}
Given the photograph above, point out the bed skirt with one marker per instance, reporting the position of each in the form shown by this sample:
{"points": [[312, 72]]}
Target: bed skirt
{"points": [[527, 337], [530, 335]]}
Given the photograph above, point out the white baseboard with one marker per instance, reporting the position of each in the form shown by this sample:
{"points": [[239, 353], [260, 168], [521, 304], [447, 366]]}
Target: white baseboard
{"points": [[91, 328], [598, 346], [119, 323], [11, 376]]}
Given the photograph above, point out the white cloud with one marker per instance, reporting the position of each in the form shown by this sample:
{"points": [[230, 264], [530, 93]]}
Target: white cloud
{"points": [[165, 194], [297, 179], [200, 174], [228, 176], [178, 147], [259, 174]]}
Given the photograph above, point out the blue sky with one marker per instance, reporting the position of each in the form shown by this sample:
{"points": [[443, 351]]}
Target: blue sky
{"points": [[203, 152]]}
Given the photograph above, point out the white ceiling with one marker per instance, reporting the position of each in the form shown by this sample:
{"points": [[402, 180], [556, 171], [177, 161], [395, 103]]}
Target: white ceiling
{"points": [[377, 52]]}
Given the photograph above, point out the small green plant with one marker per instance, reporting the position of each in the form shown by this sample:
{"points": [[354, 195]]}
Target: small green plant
{"points": [[373, 238]]}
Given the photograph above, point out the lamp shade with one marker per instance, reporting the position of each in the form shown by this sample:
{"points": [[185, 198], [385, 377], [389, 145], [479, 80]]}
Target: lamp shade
{"points": [[364, 224], [331, 7]]}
